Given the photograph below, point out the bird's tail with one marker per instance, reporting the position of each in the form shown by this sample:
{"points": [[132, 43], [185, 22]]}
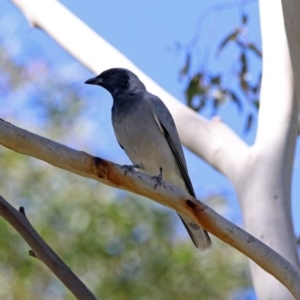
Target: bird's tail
{"points": [[198, 235]]}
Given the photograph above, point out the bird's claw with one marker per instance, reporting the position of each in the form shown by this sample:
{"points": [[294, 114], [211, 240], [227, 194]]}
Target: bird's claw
{"points": [[158, 178], [130, 168]]}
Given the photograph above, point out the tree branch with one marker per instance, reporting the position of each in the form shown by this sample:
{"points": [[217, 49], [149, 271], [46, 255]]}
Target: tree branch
{"points": [[213, 141], [109, 173], [43, 252]]}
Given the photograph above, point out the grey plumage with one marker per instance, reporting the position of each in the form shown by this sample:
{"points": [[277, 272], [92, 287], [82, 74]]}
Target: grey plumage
{"points": [[146, 131]]}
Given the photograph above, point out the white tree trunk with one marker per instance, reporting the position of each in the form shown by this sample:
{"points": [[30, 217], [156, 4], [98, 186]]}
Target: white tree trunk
{"points": [[264, 183], [261, 174], [291, 13]]}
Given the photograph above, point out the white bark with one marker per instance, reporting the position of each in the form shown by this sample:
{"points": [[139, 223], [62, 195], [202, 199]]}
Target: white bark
{"points": [[264, 184], [291, 13], [261, 174], [83, 164]]}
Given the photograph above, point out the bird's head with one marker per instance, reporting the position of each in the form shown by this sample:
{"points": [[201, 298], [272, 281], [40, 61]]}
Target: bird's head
{"points": [[118, 80]]}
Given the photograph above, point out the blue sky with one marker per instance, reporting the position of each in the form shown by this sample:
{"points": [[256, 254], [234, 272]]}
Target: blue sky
{"points": [[147, 33]]}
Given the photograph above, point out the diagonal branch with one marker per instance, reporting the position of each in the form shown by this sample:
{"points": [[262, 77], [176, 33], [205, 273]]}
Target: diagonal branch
{"points": [[111, 174], [43, 252]]}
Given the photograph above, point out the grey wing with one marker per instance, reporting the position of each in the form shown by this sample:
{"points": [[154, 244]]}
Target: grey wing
{"points": [[166, 123]]}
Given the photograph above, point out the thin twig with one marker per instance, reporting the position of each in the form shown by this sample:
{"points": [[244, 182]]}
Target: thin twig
{"points": [[42, 251]]}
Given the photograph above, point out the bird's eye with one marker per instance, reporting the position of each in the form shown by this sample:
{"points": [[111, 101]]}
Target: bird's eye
{"points": [[111, 73]]}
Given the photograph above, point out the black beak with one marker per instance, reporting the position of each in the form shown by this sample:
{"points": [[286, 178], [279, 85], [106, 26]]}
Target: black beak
{"points": [[95, 81]]}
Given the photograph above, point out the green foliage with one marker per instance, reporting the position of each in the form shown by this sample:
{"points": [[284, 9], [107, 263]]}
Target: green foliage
{"points": [[206, 87], [122, 246]]}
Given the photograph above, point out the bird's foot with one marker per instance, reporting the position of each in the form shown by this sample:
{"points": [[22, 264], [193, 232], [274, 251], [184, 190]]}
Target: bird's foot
{"points": [[130, 168], [158, 178]]}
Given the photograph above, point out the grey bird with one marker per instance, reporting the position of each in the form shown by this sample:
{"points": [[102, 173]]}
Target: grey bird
{"points": [[146, 131]]}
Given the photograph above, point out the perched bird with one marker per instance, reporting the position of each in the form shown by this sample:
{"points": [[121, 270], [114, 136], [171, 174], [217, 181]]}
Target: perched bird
{"points": [[146, 131]]}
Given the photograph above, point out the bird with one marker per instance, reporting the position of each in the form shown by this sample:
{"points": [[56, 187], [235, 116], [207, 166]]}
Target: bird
{"points": [[146, 131]]}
